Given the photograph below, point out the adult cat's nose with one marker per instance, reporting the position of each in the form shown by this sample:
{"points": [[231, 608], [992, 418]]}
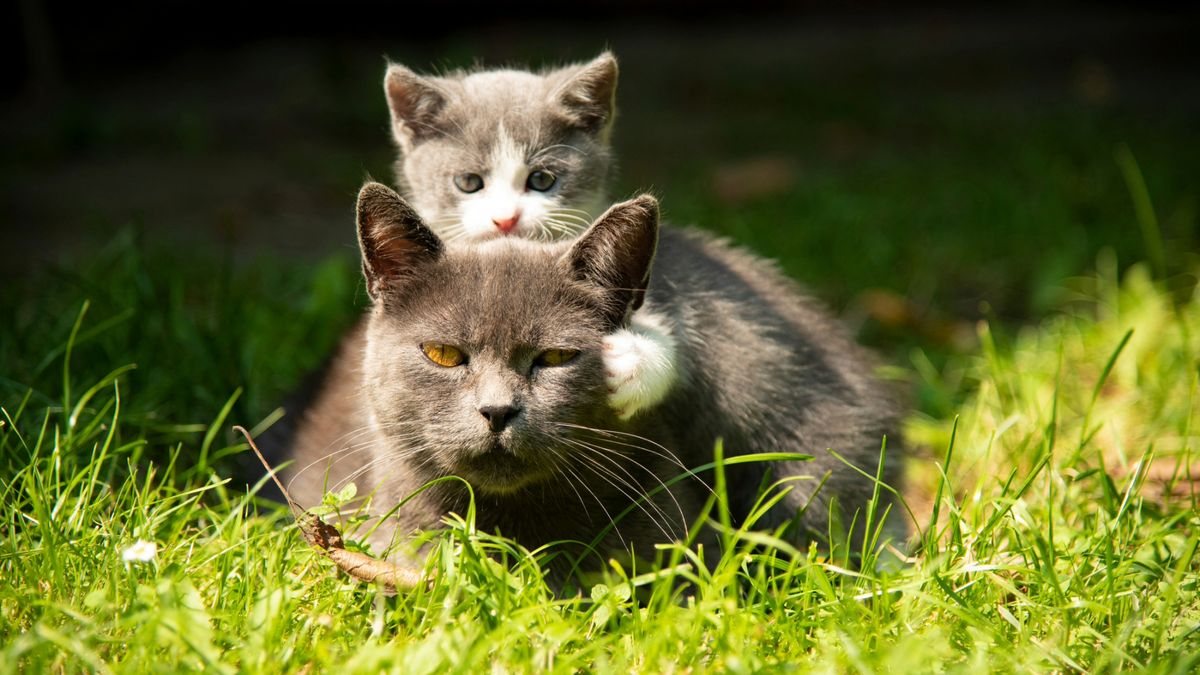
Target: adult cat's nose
{"points": [[506, 225], [498, 416]]}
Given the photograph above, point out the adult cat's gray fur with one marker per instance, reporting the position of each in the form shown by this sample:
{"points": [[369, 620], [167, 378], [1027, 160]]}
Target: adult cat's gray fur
{"points": [[767, 371]]}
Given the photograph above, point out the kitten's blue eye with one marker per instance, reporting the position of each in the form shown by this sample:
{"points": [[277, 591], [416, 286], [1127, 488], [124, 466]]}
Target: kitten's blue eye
{"points": [[540, 181], [468, 182]]}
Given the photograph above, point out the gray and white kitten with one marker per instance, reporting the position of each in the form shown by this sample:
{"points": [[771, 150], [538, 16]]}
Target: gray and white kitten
{"points": [[455, 374], [513, 153]]}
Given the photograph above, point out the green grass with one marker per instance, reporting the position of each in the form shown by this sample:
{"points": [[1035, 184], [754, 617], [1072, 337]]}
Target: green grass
{"points": [[1055, 457], [1055, 460], [1052, 461]]}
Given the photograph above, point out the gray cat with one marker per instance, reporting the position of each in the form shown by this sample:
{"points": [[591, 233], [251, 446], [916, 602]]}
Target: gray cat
{"points": [[453, 373], [504, 152]]}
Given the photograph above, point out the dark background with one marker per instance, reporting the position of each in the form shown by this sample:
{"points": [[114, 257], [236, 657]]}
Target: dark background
{"points": [[921, 167]]}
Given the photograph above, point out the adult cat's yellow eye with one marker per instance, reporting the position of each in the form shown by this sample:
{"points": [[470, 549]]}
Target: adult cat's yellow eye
{"points": [[556, 357], [444, 355]]}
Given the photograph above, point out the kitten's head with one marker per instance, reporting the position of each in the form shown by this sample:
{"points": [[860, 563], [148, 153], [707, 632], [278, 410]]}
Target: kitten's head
{"points": [[504, 152], [484, 361]]}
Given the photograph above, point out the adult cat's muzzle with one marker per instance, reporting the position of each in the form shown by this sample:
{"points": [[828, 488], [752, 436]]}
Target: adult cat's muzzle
{"points": [[499, 469]]}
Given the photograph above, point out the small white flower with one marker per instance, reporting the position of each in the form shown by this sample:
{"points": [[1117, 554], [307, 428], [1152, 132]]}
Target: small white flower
{"points": [[141, 551]]}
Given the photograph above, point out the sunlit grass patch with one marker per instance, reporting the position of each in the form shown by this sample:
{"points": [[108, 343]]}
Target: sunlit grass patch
{"points": [[1058, 522]]}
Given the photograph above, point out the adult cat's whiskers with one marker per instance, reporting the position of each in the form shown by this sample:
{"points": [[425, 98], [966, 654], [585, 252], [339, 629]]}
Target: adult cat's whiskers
{"points": [[661, 450], [607, 454], [657, 519], [599, 502], [328, 457], [360, 471], [627, 456], [561, 468], [612, 478], [560, 465], [616, 526], [350, 448], [381, 464]]}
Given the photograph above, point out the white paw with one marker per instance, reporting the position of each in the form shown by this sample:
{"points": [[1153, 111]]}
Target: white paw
{"points": [[640, 369]]}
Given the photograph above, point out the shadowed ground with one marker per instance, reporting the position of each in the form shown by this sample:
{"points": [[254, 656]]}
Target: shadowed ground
{"points": [[948, 156]]}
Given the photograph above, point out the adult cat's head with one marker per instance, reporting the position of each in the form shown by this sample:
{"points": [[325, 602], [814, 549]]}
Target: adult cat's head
{"points": [[500, 152], [479, 358]]}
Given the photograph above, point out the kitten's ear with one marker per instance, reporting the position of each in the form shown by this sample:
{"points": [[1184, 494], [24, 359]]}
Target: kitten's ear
{"points": [[393, 240], [589, 94], [615, 254], [415, 102]]}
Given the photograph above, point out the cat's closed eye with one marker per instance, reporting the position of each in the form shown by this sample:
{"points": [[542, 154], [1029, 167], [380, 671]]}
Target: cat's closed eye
{"points": [[555, 357], [443, 355]]}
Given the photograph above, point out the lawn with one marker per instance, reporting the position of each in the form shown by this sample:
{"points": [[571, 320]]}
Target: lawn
{"points": [[1059, 521], [1038, 298]]}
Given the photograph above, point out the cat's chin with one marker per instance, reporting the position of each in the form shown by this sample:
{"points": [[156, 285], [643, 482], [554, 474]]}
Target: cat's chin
{"points": [[499, 472]]}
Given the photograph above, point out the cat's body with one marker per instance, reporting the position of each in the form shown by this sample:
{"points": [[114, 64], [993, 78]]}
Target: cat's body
{"points": [[511, 153], [766, 371]]}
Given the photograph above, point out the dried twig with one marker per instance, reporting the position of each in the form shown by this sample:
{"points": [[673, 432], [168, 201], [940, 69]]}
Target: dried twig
{"points": [[327, 539]]}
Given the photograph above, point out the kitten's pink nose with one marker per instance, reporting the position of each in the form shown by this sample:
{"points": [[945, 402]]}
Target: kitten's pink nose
{"points": [[506, 225]]}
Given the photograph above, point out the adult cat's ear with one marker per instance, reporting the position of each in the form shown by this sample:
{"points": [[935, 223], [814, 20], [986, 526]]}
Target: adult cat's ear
{"points": [[393, 240], [415, 102], [588, 94], [615, 254]]}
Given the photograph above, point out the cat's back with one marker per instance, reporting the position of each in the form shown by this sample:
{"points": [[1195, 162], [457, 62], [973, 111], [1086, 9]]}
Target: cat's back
{"points": [[741, 309], [761, 356], [766, 368]]}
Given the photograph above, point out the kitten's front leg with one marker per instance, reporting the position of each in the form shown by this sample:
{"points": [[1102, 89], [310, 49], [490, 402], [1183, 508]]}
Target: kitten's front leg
{"points": [[640, 364]]}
